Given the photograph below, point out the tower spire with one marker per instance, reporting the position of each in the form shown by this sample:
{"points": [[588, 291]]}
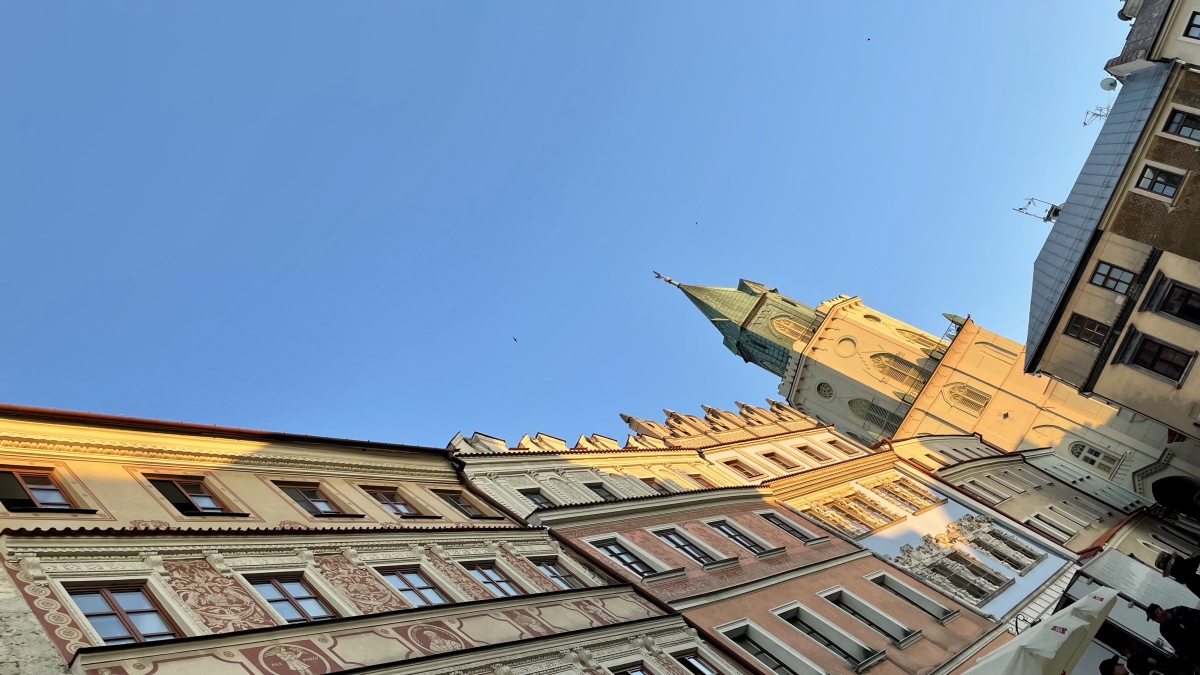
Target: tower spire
{"points": [[667, 279]]}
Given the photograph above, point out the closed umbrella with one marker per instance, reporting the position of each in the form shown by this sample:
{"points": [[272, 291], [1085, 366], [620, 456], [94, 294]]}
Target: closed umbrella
{"points": [[1054, 645]]}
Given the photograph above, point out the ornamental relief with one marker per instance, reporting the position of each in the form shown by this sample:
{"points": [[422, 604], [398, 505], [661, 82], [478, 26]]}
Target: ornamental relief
{"points": [[48, 608], [219, 601], [360, 586]]}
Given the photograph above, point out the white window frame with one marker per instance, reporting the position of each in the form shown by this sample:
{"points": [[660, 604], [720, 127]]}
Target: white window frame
{"points": [[790, 658], [812, 536], [768, 547], [984, 492], [1137, 178], [902, 636], [658, 565], [717, 556], [1171, 109], [1063, 510], [1016, 489], [1051, 527], [941, 613], [830, 631]]}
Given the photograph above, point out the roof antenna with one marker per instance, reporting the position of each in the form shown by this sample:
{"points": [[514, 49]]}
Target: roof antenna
{"points": [[1108, 84], [669, 280], [1048, 216]]}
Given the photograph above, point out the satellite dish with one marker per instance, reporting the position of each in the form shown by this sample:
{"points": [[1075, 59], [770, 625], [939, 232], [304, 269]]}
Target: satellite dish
{"points": [[1108, 83]]}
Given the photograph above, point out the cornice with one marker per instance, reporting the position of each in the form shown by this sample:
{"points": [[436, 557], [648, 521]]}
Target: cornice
{"points": [[633, 507], [59, 445]]}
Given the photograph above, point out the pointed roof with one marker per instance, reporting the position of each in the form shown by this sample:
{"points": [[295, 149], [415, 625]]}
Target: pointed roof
{"points": [[722, 304]]}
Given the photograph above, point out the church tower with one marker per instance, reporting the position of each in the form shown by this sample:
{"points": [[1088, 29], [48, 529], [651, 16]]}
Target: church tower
{"points": [[873, 377]]}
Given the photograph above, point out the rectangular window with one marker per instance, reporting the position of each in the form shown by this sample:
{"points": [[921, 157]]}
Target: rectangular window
{"points": [[602, 492], [742, 469], [984, 492], [936, 459], [912, 597], [559, 574], [756, 650], [784, 525], [624, 557], [495, 580], [1158, 358], [539, 500], [1183, 124], [123, 614], [814, 454], [1193, 27], [390, 499], [311, 499], [633, 670], [878, 621], [684, 546], [31, 491], [188, 496], [701, 481], [1088, 330], [1183, 303], [696, 664], [1160, 181], [656, 485], [737, 536], [1051, 527], [292, 598], [460, 503], [779, 460], [415, 587], [798, 621], [1111, 277]]}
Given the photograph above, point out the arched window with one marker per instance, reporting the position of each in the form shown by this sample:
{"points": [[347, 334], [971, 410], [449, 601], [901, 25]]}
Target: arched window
{"points": [[966, 398], [1103, 461], [791, 328], [898, 370], [919, 338], [873, 414]]}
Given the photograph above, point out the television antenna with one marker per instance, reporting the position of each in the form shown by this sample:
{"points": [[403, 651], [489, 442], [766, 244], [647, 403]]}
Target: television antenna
{"points": [[1048, 212], [1100, 112]]}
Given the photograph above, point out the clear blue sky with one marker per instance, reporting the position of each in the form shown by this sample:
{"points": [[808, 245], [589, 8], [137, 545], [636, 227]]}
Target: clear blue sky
{"points": [[332, 218]]}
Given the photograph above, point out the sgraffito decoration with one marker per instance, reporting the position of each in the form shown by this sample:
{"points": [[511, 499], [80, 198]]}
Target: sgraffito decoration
{"points": [[219, 601], [368, 593]]}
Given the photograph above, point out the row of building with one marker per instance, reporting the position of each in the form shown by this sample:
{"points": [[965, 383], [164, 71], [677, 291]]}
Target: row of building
{"points": [[759, 540]]}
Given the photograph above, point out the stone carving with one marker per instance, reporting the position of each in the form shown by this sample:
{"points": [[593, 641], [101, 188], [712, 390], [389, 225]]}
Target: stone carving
{"points": [[365, 590], [901, 491], [956, 572], [981, 533], [149, 524], [154, 561], [220, 602]]}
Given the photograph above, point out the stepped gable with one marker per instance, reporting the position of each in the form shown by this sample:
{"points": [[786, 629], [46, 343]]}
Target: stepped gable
{"points": [[721, 426]]}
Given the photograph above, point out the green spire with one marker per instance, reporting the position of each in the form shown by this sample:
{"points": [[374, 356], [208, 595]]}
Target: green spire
{"points": [[756, 323]]}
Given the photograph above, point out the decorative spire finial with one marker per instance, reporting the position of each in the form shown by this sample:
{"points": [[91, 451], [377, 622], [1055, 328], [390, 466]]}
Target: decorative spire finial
{"points": [[669, 280]]}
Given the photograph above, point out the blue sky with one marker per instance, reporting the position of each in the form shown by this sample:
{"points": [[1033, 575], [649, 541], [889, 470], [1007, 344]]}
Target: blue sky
{"points": [[333, 218]]}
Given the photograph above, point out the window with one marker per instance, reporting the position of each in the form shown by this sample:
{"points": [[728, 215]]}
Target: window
{"points": [[1052, 528], [495, 580], [1159, 358], [737, 536], [797, 620], [878, 621], [936, 459], [460, 503], [602, 492], [898, 370], [1160, 181], [1182, 303], [696, 664], [1112, 277], [31, 491], [539, 500], [391, 500], [875, 415], [311, 499], [779, 460], [967, 398], [633, 670], [617, 551], [912, 597], [559, 574], [292, 598], [656, 485], [415, 587], [1193, 27], [123, 614], [984, 492], [784, 525], [701, 481], [1089, 455], [679, 543], [756, 650], [813, 454], [190, 497], [742, 469], [1088, 330]]}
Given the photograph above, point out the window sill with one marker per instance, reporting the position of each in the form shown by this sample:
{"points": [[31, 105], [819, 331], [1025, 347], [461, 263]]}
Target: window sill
{"points": [[770, 553], [488, 518], [338, 515], [213, 514], [817, 541], [871, 660], [720, 564], [38, 509], [949, 617], [664, 575], [908, 640], [417, 516]]}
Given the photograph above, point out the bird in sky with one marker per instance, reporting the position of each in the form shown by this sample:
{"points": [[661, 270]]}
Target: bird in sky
{"points": [[514, 339]]}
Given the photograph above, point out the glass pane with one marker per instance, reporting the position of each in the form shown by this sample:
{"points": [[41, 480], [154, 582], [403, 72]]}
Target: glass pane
{"points": [[132, 600], [152, 638], [413, 598], [435, 597], [286, 610], [415, 578], [324, 506], [295, 589], [37, 480], [49, 496], [91, 603], [149, 622], [268, 590], [314, 607], [109, 627]]}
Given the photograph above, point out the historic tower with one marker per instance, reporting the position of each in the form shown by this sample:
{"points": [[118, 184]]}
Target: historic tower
{"points": [[874, 377]]}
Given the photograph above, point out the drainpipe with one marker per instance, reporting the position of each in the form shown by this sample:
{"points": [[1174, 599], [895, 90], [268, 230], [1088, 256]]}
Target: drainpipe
{"points": [[706, 634]]}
